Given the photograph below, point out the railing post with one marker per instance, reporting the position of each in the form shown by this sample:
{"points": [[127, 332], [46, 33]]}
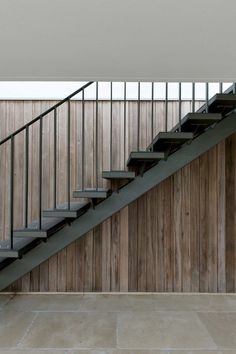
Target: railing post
{"points": [[207, 97], [138, 141], [55, 160], [152, 113], [82, 140], [125, 125], [12, 192], [111, 131], [68, 155], [166, 108], [180, 108], [221, 87], [193, 97], [26, 174], [96, 127], [40, 170]]}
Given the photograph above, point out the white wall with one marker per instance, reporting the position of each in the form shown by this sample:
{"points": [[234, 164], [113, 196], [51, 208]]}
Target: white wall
{"points": [[30, 90], [118, 39]]}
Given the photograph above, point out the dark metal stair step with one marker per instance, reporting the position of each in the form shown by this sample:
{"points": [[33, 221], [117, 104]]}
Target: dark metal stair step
{"points": [[92, 193], [9, 253], [222, 103], [198, 122], [76, 210], [169, 140], [139, 157], [118, 175], [20, 246], [49, 227]]}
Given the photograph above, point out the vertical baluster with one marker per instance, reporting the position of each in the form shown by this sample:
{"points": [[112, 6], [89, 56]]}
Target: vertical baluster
{"points": [[12, 191], [180, 105], [234, 88], [96, 127], [55, 160], [138, 140], [68, 155], [166, 110], [40, 170], [193, 97], [26, 174], [152, 113], [221, 87], [124, 125], [207, 97], [83, 168], [111, 131]]}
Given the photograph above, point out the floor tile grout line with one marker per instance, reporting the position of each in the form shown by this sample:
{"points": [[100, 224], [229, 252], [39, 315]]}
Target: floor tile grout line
{"points": [[27, 330]]}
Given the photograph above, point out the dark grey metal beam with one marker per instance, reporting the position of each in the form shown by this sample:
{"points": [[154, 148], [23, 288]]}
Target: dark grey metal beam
{"points": [[116, 202]]}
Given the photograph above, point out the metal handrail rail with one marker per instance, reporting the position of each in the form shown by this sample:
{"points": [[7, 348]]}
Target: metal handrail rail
{"points": [[45, 113]]}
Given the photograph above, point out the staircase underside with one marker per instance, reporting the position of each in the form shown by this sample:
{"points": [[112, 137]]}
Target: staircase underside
{"points": [[135, 189]]}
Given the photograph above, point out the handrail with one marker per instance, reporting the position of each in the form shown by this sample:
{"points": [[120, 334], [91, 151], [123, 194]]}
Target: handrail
{"points": [[45, 113]]}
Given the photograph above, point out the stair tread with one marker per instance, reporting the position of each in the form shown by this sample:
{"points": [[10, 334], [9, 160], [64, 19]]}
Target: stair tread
{"points": [[119, 174], [164, 140], [222, 102], [19, 244], [99, 193], [76, 209], [197, 122], [136, 157], [49, 226]]}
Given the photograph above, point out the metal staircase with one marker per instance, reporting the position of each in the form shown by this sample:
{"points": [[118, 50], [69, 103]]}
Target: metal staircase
{"points": [[61, 224]]}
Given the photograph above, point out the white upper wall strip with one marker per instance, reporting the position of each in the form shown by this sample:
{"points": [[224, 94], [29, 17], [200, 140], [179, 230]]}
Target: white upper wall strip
{"points": [[59, 90]]}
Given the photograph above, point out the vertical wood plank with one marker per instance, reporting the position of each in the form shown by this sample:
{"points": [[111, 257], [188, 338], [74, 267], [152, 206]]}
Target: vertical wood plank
{"points": [[142, 251], [151, 239], [124, 242], [204, 217], [221, 215], [194, 224], [115, 252], [133, 247]]}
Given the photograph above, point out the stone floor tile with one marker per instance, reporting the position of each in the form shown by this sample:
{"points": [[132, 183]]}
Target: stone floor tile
{"points": [[4, 299], [162, 330], [33, 351], [72, 330], [123, 302], [188, 302], [45, 303], [222, 328], [13, 326]]}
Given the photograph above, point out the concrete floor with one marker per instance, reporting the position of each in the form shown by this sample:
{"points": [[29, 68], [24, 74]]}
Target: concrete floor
{"points": [[118, 324]]}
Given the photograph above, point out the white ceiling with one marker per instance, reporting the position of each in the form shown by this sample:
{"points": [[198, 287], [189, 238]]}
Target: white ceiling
{"points": [[118, 39]]}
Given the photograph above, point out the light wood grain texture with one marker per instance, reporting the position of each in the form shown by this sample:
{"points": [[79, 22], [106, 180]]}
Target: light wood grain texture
{"points": [[180, 236]]}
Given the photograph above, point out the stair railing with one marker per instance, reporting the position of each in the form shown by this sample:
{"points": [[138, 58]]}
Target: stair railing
{"points": [[11, 138]]}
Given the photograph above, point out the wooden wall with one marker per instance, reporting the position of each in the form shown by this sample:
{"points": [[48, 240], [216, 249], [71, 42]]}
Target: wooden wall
{"points": [[13, 114], [178, 237]]}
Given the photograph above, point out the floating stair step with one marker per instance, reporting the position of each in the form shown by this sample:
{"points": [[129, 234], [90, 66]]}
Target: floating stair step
{"points": [[92, 193], [118, 175], [76, 210], [169, 140], [139, 157], [49, 227], [9, 253], [198, 122], [222, 103]]}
